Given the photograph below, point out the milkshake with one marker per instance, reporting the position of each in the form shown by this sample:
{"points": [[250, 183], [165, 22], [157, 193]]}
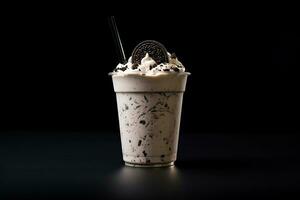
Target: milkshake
{"points": [[149, 90]]}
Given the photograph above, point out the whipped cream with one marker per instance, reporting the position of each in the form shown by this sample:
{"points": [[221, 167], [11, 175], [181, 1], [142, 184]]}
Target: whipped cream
{"points": [[149, 67]]}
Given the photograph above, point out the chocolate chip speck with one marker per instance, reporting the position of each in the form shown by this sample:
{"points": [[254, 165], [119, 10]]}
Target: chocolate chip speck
{"points": [[175, 69], [122, 68], [130, 98], [145, 98], [148, 161], [162, 156], [137, 106], [143, 122], [147, 124], [134, 66], [166, 70], [153, 66], [129, 141], [140, 142], [169, 148], [144, 152], [126, 107]]}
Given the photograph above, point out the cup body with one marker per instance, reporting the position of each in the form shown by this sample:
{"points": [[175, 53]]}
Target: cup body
{"points": [[149, 110]]}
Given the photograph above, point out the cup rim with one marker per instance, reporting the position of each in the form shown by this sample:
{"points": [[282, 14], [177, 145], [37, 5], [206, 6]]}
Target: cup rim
{"points": [[154, 75]]}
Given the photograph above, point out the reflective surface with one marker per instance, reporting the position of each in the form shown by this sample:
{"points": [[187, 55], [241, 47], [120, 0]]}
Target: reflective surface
{"points": [[89, 166], [134, 183]]}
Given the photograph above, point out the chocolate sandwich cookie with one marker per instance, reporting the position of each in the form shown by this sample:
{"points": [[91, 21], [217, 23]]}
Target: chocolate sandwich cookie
{"points": [[156, 51]]}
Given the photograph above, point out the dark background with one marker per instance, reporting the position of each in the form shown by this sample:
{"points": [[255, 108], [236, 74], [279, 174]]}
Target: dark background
{"points": [[59, 126], [244, 73]]}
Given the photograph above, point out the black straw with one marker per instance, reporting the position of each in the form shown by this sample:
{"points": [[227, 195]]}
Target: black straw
{"points": [[117, 39]]}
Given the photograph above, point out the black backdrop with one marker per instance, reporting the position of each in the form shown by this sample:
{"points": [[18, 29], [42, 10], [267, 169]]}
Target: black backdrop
{"points": [[244, 75]]}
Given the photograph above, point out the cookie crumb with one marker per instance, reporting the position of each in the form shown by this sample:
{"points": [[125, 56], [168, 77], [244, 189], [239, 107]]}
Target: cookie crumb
{"points": [[144, 152]]}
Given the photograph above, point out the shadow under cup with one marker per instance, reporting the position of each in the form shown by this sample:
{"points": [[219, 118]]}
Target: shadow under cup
{"points": [[149, 109]]}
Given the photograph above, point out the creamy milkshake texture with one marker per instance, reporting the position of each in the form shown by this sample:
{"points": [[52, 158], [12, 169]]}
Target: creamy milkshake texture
{"points": [[149, 67], [149, 90]]}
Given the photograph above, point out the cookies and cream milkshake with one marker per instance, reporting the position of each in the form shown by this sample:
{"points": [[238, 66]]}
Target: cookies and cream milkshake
{"points": [[149, 90]]}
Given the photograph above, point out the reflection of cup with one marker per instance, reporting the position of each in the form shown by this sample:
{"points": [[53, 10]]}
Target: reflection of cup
{"points": [[146, 183], [149, 110]]}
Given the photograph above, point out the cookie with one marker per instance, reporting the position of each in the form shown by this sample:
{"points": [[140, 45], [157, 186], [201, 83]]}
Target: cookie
{"points": [[156, 51]]}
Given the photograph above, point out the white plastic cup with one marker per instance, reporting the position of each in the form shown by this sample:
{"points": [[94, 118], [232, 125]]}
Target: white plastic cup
{"points": [[149, 109]]}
